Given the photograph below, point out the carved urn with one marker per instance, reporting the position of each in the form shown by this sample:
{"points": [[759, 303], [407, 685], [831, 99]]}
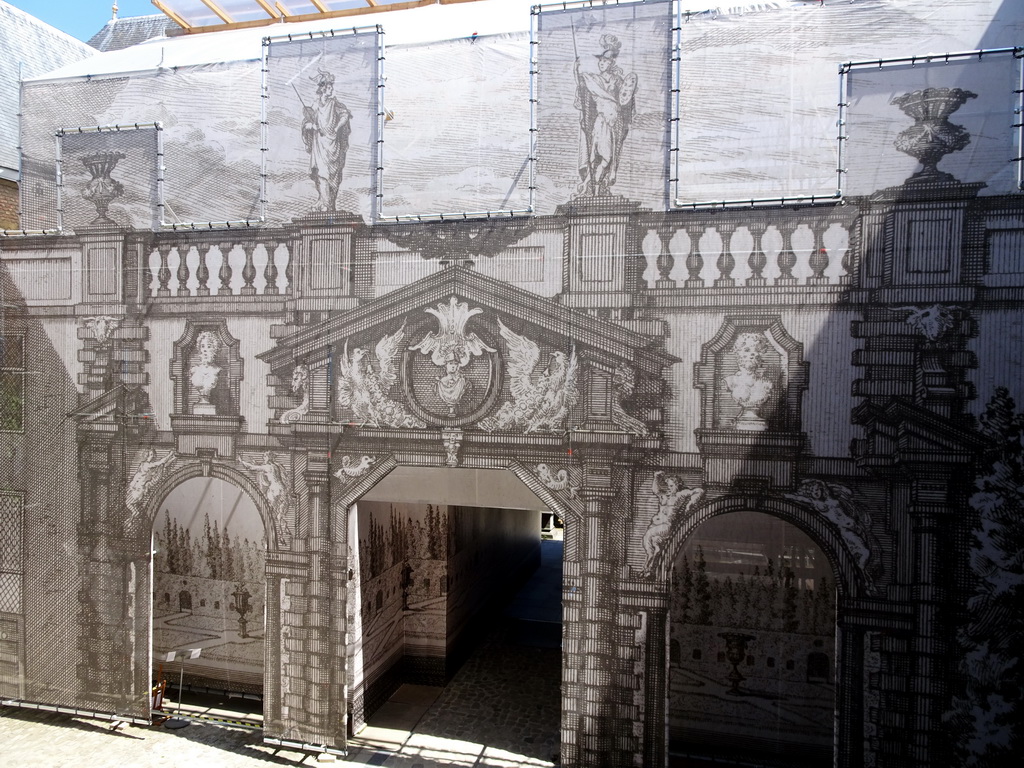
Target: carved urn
{"points": [[932, 136], [101, 190]]}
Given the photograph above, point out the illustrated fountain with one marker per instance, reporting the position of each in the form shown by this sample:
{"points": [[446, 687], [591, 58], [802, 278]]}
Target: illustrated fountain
{"points": [[735, 653]]}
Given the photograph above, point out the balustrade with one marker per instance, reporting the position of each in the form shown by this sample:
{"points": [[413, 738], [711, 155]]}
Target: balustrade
{"points": [[800, 247], [688, 251], [194, 266]]}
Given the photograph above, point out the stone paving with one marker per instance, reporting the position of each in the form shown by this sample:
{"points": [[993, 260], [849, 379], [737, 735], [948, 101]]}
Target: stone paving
{"points": [[505, 696], [501, 710]]}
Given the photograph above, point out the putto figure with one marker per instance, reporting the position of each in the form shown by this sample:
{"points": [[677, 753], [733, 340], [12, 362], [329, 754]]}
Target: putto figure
{"points": [[326, 127], [674, 498], [836, 503], [606, 99]]}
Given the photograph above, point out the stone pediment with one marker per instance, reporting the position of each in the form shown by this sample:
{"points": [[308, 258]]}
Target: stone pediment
{"points": [[900, 435], [461, 350]]}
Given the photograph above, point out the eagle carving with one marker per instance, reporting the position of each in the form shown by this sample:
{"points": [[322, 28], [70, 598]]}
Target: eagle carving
{"points": [[541, 397], [364, 389]]}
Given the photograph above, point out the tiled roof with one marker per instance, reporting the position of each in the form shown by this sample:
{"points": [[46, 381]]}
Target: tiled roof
{"points": [[122, 33], [28, 48]]}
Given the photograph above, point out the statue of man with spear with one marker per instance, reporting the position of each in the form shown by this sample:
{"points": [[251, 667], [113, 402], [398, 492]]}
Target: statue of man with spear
{"points": [[605, 96], [326, 127]]}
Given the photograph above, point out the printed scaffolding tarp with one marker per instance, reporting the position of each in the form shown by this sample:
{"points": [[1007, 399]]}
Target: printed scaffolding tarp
{"points": [[322, 123], [110, 176], [603, 103], [959, 113], [472, 154], [211, 136]]}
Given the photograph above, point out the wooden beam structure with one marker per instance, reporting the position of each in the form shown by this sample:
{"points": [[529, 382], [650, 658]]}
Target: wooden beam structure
{"points": [[221, 13], [278, 12], [173, 16], [267, 8]]}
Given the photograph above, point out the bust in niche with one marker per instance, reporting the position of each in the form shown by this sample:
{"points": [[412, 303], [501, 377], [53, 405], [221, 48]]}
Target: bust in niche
{"points": [[205, 373], [751, 385]]}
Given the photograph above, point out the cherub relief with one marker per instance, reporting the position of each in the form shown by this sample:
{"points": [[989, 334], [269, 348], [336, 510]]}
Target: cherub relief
{"points": [[674, 499]]}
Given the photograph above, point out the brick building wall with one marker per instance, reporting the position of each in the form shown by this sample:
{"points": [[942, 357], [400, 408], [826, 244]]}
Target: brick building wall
{"points": [[8, 204]]}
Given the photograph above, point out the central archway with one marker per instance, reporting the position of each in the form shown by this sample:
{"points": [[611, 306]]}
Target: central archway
{"points": [[436, 554]]}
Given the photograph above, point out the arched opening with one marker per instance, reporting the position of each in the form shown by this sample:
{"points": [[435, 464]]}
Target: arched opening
{"points": [[209, 597], [457, 608], [752, 628]]}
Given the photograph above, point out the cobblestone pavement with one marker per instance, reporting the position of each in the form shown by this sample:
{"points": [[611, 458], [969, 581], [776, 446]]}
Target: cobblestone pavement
{"points": [[506, 696], [500, 710]]}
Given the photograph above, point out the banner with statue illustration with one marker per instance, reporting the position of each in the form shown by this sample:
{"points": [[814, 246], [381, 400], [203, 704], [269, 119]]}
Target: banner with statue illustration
{"points": [[322, 124], [603, 88]]}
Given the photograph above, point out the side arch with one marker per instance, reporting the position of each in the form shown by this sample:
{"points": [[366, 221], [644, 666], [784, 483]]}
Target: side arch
{"points": [[221, 471], [850, 579]]}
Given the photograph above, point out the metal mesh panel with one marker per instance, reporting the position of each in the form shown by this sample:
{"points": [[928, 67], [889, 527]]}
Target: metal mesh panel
{"points": [[110, 176], [322, 124], [486, 116], [954, 117], [603, 106], [10, 533]]}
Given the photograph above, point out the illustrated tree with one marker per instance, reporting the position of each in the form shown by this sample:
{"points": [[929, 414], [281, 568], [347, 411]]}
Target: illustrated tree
{"points": [[702, 609], [988, 716]]}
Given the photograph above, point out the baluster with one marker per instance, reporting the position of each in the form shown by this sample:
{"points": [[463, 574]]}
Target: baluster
{"points": [[248, 271], [666, 261], [270, 271], [787, 258], [819, 255], [848, 267], [758, 260], [726, 262], [183, 250], [288, 265], [694, 259], [847, 222], [203, 271], [225, 274], [164, 273]]}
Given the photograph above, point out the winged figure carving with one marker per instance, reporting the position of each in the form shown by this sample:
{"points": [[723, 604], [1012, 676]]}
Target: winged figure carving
{"points": [[364, 390], [541, 399]]}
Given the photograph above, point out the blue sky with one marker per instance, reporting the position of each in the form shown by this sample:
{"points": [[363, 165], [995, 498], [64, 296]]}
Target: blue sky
{"points": [[82, 18]]}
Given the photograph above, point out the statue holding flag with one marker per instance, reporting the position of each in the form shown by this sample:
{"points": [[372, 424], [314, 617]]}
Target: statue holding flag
{"points": [[326, 127], [605, 97]]}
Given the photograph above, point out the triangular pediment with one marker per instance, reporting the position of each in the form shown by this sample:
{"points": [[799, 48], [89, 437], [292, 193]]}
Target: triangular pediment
{"points": [[461, 350], [557, 325], [899, 431]]}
